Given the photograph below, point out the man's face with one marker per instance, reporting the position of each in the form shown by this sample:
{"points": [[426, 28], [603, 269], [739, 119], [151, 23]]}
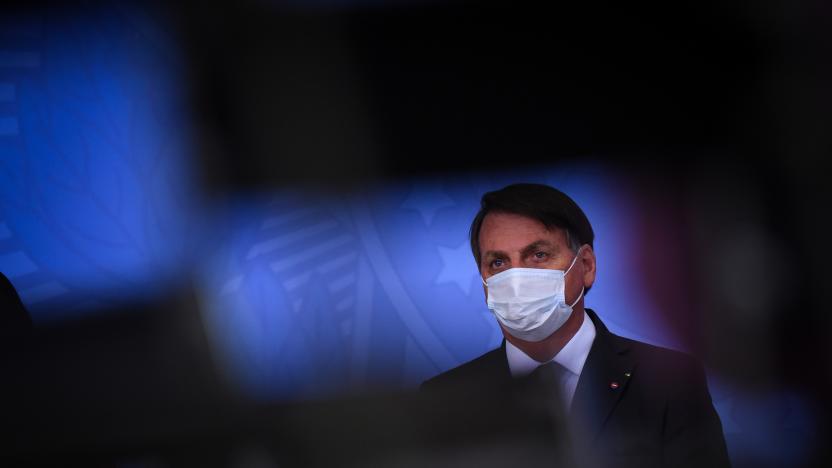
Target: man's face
{"points": [[515, 241]]}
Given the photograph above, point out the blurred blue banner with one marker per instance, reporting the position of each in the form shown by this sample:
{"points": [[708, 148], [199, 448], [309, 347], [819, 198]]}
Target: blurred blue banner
{"points": [[95, 190]]}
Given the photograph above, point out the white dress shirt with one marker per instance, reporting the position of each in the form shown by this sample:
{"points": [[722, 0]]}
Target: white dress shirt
{"points": [[572, 358]]}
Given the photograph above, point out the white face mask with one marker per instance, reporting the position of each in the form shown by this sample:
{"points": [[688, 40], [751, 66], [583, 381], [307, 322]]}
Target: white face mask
{"points": [[530, 303]]}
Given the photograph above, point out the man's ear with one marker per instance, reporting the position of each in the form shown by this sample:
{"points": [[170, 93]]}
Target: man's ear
{"points": [[588, 265]]}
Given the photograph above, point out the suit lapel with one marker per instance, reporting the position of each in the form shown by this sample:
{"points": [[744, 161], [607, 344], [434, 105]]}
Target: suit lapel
{"points": [[604, 379]]}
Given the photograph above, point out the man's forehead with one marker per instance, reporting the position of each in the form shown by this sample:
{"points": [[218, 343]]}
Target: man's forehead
{"points": [[537, 244], [506, 232], [513, 222]]}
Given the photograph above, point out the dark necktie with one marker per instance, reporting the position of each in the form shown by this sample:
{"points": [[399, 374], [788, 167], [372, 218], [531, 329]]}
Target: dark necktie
{"points": [[545, 383], [544, 390], [549, 374]]}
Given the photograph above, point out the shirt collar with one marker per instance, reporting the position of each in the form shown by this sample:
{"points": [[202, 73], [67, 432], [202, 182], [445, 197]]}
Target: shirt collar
{"points": [[572, 356]]}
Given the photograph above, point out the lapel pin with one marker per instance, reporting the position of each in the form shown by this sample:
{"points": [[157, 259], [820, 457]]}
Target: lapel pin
{"points": [[614, 385], [627, 374]]}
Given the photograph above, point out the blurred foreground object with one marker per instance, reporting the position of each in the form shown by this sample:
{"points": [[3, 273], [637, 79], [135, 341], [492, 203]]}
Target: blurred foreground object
{"points": [[15, 322], [138, 386]]}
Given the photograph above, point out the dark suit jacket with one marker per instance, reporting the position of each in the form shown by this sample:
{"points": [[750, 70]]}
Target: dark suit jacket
{"points": [[635, 404]]}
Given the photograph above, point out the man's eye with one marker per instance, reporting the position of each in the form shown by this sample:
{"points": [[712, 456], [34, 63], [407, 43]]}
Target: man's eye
{"points": [[540, 255], [497, 263]]}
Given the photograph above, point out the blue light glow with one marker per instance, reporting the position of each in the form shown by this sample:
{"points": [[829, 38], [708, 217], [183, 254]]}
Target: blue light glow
{"points": [[94, 188]]}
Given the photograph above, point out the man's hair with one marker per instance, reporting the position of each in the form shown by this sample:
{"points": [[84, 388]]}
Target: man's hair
{"points": [[550, 206]]}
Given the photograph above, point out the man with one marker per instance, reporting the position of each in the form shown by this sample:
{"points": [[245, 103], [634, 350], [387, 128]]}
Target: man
{"points": [[626, 403]]}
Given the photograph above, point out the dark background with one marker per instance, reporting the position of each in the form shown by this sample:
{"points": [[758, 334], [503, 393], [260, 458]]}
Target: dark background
{"points": [[718, 112]]}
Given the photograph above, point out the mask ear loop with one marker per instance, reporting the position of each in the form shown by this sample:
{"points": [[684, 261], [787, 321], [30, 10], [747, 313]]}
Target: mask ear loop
{"points": [[579, 298], [573, 260], [567, 271]]}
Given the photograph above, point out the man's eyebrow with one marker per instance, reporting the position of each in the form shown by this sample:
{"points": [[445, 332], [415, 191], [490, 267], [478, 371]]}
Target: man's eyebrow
{"points": [[527, 250], [539, 244], [494, 253]]}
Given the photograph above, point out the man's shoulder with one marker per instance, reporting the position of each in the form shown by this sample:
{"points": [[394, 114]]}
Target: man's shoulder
{"points": [[662, 364], [665, 393], [488, 368], [654, 353]]}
